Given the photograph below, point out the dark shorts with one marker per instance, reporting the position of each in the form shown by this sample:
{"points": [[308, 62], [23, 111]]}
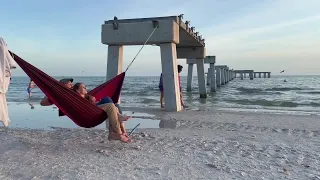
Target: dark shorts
{"points": [[109, 100], [105, 100], [161, 88], [29, 90]]}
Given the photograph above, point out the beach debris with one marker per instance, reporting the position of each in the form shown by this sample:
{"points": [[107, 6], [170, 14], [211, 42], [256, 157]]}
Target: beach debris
{"points": [[104, 152], [212, 165], [133, 129], [143, 134], [285, 171], [137, 148]]}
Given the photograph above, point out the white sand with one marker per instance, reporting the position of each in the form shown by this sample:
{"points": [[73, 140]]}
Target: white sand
{"points": [[206, 145]]}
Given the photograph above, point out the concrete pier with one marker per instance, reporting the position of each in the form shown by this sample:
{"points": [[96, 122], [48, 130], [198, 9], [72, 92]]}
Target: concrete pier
{"points": [[223, 69], [210, 75], [176, 40], [265, 74], [244, 72]]}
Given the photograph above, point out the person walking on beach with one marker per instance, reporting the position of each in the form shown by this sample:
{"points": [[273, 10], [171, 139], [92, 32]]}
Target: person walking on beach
{"points": [[161, 88], [30, 87], [6, 64]]}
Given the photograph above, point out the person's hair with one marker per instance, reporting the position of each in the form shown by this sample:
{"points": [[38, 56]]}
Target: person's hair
{"points": [[76, 86], [179, 68]]}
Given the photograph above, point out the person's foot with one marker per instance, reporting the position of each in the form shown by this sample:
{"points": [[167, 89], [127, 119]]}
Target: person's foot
{"points": [[162, 106], [125, 134], [122, 138], [123, 118]]}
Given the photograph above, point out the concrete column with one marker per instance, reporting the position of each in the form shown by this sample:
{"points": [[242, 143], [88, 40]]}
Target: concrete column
{"points": [[201, 78], [170, 77], [225, 76], [114, 65], [259, 75], [213, 85], [208, 77], [264, 75], [254, 75], [251, 75], [222, 76], [189, 79], [269, 75], [241, 75], [115, 61], [218, 76]]}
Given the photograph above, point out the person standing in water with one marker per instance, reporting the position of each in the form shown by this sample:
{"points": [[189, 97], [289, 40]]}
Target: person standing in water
{"points": [[30, 87], [161, 89]]}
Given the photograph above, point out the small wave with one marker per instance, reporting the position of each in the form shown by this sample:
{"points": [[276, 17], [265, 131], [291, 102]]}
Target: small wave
{"points": [[284, 89], [313, 104], [149, 101], [249, 90], [310, 92], [264, 102], [256, 91]]}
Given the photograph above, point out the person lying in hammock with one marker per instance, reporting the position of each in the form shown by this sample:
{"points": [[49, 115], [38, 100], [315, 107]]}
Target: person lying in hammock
{"points": [[116, 126], [67, 82]]}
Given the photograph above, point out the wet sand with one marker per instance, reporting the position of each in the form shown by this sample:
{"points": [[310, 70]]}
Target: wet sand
{"points": [[190, 145]]}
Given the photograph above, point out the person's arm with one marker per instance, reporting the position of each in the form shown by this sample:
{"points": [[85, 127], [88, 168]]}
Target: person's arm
{"points": [[45, 101]]}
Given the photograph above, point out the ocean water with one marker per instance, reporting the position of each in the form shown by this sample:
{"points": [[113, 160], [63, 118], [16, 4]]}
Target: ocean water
{"points": [[300, 94]]}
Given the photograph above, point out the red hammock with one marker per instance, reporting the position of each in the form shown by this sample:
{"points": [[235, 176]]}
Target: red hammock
{"points": [[77, 108]]}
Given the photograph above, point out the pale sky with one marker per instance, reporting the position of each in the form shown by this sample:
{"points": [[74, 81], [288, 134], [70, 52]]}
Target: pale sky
{"points": [[62, 37]]}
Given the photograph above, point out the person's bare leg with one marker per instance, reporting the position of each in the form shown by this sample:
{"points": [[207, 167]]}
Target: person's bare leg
{"points": [[115, 132], [123, 117], [162, 99], [123, 129]]}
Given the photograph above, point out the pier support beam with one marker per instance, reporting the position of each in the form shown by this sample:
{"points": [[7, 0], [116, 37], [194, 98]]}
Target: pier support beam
{"points": [[223, 76], [241, 76], [264, 75], [189, 79], [227, 75], [255, 75], [259, 75], [251, 75], [269, 74], [115, 61], [208, 77], [218, 76], [201, 78], [213, 85], [170, 77]]}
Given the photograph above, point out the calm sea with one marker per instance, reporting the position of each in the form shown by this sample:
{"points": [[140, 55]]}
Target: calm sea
{"points": [[299, 94]]}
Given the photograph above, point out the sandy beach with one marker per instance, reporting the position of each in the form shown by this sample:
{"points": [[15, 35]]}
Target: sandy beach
{"points": [[190, 145]]}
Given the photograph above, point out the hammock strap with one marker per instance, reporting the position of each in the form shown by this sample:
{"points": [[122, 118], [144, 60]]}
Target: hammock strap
{"points": [[142, 46]]}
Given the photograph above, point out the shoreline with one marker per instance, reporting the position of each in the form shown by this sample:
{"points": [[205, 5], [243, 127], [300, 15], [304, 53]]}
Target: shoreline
{"points": [[202, 145]]}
